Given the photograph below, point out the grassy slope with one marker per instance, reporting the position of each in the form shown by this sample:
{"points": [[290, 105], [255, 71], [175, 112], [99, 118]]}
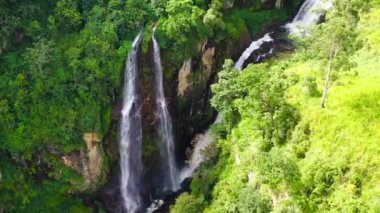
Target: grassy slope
{"points": [[345, 136]]}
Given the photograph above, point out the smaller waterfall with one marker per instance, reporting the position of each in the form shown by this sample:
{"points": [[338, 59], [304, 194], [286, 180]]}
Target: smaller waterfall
{"points": [[165, 131], [255, 45], [131, 134], [202, 141], [308, 14]]}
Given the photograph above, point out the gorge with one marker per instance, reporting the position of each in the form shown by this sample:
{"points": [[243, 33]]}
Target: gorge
{"points": [[187, 106], [172, 177]]}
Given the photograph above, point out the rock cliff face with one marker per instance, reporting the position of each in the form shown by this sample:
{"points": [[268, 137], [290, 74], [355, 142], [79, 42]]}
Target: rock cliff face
{"points": [[87, 162], [191, 109], [183, 75]]}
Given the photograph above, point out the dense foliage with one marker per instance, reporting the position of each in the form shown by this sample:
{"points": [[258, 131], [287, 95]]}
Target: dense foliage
{"points": [[299, 133], [61, 68], [61, 64]]}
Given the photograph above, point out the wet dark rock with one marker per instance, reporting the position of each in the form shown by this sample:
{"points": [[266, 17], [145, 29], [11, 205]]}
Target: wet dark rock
{"points": [[110, 196], [281, 43]]}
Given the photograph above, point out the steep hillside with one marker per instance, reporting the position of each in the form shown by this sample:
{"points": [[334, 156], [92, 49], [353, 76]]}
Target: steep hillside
{"points": [[278, 149]]}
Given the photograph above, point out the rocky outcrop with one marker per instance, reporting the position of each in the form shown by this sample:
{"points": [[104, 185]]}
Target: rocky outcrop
{"points": [[208, 61], [87, 163], [235, 48], [278, 4], [183, 74], [94, 156]]}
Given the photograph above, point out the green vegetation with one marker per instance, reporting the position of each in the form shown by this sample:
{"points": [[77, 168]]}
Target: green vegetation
{"points": [[278, 149], [238, 20], [185, 24], [61, 68], [61, 65], [300, 132]]}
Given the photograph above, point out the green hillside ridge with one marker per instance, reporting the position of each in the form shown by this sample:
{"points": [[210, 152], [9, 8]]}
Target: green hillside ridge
{"points": [[61, 75], [280, 151], [279, 148]]}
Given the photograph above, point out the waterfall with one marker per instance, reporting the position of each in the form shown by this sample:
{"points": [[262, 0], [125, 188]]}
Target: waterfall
{"points": [[203, 141], [255, 45], [308, 14], [165, 131], [131, 134]]}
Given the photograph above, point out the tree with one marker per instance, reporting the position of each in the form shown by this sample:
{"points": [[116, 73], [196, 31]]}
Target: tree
{"points": [[256, 92], [8, 24], [276, 169], [187, 203], [250, 200], [213, 17], [333, 41], [227, 89], [67, 15], [184, 27], [39, 56]]}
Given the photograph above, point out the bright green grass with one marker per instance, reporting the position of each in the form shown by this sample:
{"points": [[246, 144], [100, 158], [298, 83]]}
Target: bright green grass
{"points": [[340, 171], [347, 133], [345, 136]]}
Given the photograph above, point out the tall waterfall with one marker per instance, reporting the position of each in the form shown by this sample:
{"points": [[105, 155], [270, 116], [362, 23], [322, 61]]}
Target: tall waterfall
{"points": [[131, 134], [165, 130]]}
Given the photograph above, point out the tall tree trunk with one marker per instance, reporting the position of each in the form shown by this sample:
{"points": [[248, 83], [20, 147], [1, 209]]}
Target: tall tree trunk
{"points": [[333, 54]]}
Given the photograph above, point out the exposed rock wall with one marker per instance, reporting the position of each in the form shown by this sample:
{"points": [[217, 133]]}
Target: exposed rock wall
{"points": [[183, 74], [208, 61], [87, 163]]}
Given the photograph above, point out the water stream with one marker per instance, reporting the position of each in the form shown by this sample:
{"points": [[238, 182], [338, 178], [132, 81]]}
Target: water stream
{"points": [[131, 134], [308, 15], [165, 129]]}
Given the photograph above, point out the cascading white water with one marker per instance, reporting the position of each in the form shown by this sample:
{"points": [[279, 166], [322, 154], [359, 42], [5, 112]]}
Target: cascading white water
{"points": [[165, 130], [308, 14], [202, 141], [131, 134], [255, 45]]}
